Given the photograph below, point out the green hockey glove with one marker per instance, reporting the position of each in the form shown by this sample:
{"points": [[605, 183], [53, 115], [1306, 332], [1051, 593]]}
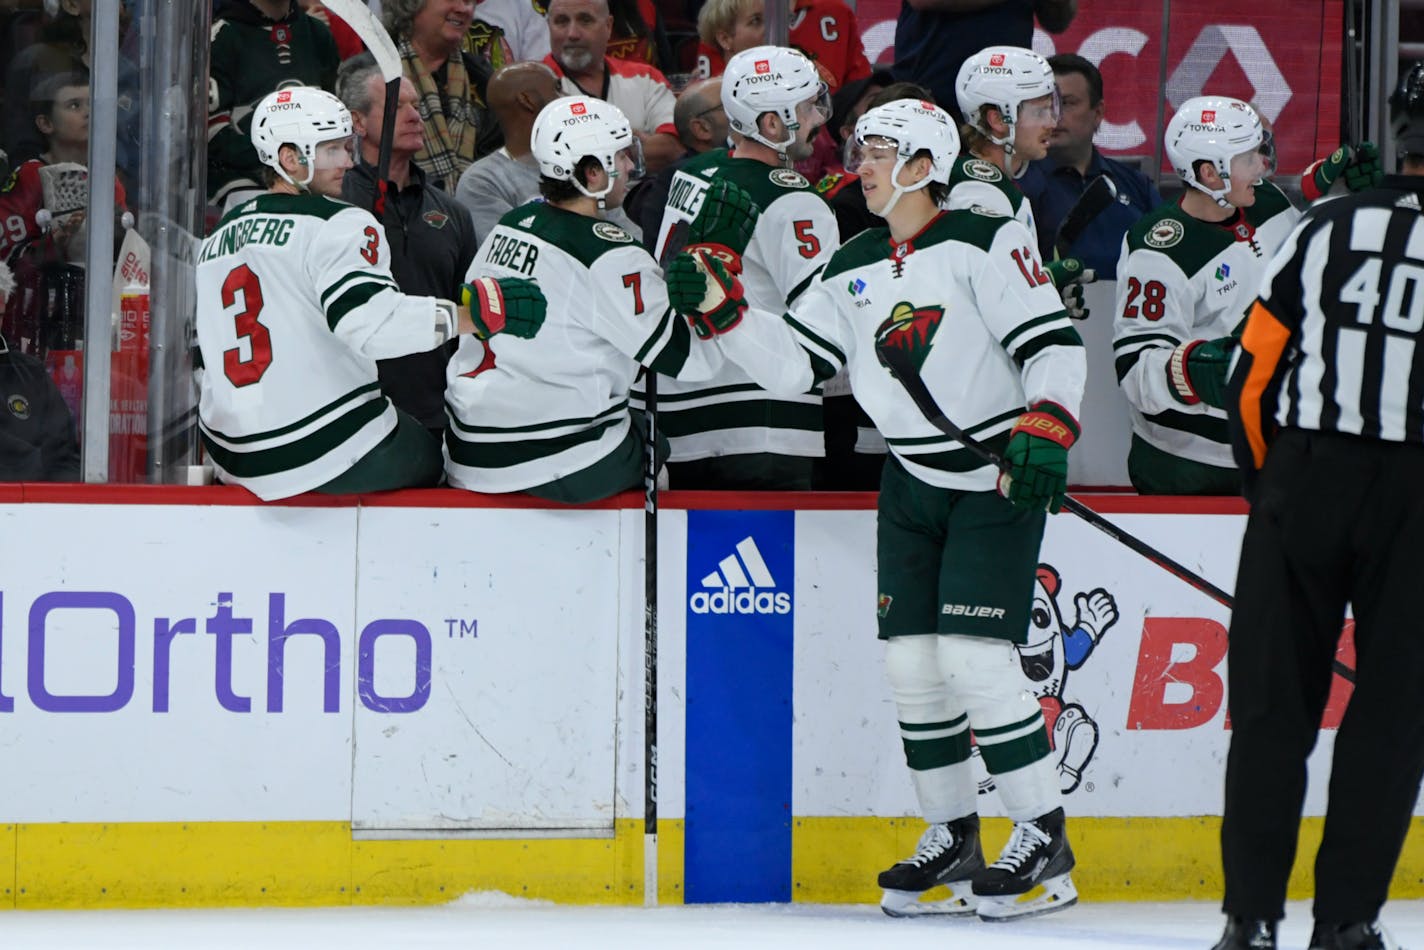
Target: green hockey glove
{"points": [[1196, 371], [702, 288], [510, 305], [1069, 275], [727, 218], [1036, 474], [1364, 170], [1321, 175]]}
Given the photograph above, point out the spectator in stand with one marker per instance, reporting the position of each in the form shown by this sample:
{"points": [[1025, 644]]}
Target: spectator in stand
{"points": [[450, 82], [1054, 183], [37, 441], [824, 30], [62, 48], [638, 34], [933, 38], [432, 239], [579, 33], [508, 31], [509, 176], [701, 126], [258, 46]]}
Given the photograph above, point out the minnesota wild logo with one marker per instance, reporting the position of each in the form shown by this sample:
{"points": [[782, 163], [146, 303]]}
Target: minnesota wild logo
{"points": [[911, 329]]}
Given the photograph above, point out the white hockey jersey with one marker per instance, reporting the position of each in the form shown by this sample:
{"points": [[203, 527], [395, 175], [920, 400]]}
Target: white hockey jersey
{"points": [[970, 300], [974, 181], [295, 304], [795, 236], [526, 412], [1180, 278]]}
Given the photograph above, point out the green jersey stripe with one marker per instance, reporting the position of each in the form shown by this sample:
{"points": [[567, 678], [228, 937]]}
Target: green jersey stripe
{"points": [[1145, 338], [800, 288], [355, 297], [827, 350], [302, 423], [346, 280], [1208, 427], [508, 454], [1063, 336], [673, 355], [584, 422], [655, 337], [754, 413], [934, 726], [1010, 342], [304, 451]]}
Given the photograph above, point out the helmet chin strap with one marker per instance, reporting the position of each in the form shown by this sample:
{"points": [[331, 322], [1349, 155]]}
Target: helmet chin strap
{"points": [[897, 189], [301, 186]]}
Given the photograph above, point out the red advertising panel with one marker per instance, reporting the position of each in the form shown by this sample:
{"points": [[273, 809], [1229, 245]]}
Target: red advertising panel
{"points": [[1283, 57]]}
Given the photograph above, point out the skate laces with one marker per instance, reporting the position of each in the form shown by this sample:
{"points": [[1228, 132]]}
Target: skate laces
{"points": [[933, 843], [1027, 838]]}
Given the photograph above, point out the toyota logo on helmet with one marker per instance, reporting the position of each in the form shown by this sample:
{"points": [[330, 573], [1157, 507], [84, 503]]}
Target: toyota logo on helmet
{"points": [[1208, 117], [578, 108], [763, 66], [997, 59]]}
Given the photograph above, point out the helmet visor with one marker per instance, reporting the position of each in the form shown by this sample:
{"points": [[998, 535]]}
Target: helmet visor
{"points": [[628, 161], [875, 150], [335, 153], [1044, 110], [815, 111]]}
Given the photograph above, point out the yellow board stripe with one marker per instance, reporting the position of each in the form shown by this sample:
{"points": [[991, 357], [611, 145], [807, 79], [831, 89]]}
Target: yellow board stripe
{"points": [[299, 864]]}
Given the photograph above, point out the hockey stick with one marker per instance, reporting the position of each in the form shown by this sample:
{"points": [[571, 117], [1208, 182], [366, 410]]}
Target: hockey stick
{"points": [[650, 646], [901, 367], [1100, 195], [364, 24]]}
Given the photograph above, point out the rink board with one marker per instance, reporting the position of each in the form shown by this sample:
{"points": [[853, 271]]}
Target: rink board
{"points": [[405, 698]]}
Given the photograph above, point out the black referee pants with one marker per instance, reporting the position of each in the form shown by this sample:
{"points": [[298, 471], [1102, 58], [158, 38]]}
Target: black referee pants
{"points": [[1336, 520]]}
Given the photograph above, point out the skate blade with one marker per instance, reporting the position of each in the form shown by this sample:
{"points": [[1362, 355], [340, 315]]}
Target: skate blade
{"points": [[960, 903], [1049, 897]]}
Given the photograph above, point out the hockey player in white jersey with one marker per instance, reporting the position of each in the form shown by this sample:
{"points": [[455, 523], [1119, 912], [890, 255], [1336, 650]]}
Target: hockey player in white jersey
{"points": [[963, 292], [1009, 98], [1186, 275], [296, 303], [550, 416], [728, 432]]}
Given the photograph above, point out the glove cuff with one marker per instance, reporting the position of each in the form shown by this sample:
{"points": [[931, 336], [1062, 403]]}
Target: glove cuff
{"points": [[1048, 420], [730, 259], [1178, 379], [486, 303]]}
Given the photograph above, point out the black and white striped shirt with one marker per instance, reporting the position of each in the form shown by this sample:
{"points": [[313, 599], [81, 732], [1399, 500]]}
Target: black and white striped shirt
{"points": [[1335, 342]]}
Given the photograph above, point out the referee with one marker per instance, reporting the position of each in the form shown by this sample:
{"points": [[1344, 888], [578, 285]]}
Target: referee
{"points": [[1326, 407]]}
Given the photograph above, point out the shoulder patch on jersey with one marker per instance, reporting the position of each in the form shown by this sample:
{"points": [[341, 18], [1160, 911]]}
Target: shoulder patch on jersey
{"points": [[788, 178], [982, 170], [612, 232], [1165, 233], [987, 212]]}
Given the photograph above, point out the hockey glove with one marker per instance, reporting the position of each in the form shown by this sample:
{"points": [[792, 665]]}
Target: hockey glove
{"points": [[1196, 371], [1364, 170], [1069, 275], [701, 288], [725, 221], [1317, 179], [510, 305], [1036, 474]]}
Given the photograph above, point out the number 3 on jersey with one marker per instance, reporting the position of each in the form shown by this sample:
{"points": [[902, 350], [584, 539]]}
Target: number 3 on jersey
{"points": [[243, 290]]}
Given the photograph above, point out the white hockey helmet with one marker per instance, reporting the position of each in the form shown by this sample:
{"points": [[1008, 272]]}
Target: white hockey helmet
{"points": [[302, 117], [773, 79], [1004, 77], [914, 126], [1214, 129], [568, 130]]}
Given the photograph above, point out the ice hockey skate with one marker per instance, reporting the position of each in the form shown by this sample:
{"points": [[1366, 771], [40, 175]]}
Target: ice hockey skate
{"points": [[948, 855], [1241, 934], [1367, 936], [1031, 875]]}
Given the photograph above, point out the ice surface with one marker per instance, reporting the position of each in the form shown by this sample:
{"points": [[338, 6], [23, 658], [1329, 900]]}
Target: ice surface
{"points": [[495, 920]]}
